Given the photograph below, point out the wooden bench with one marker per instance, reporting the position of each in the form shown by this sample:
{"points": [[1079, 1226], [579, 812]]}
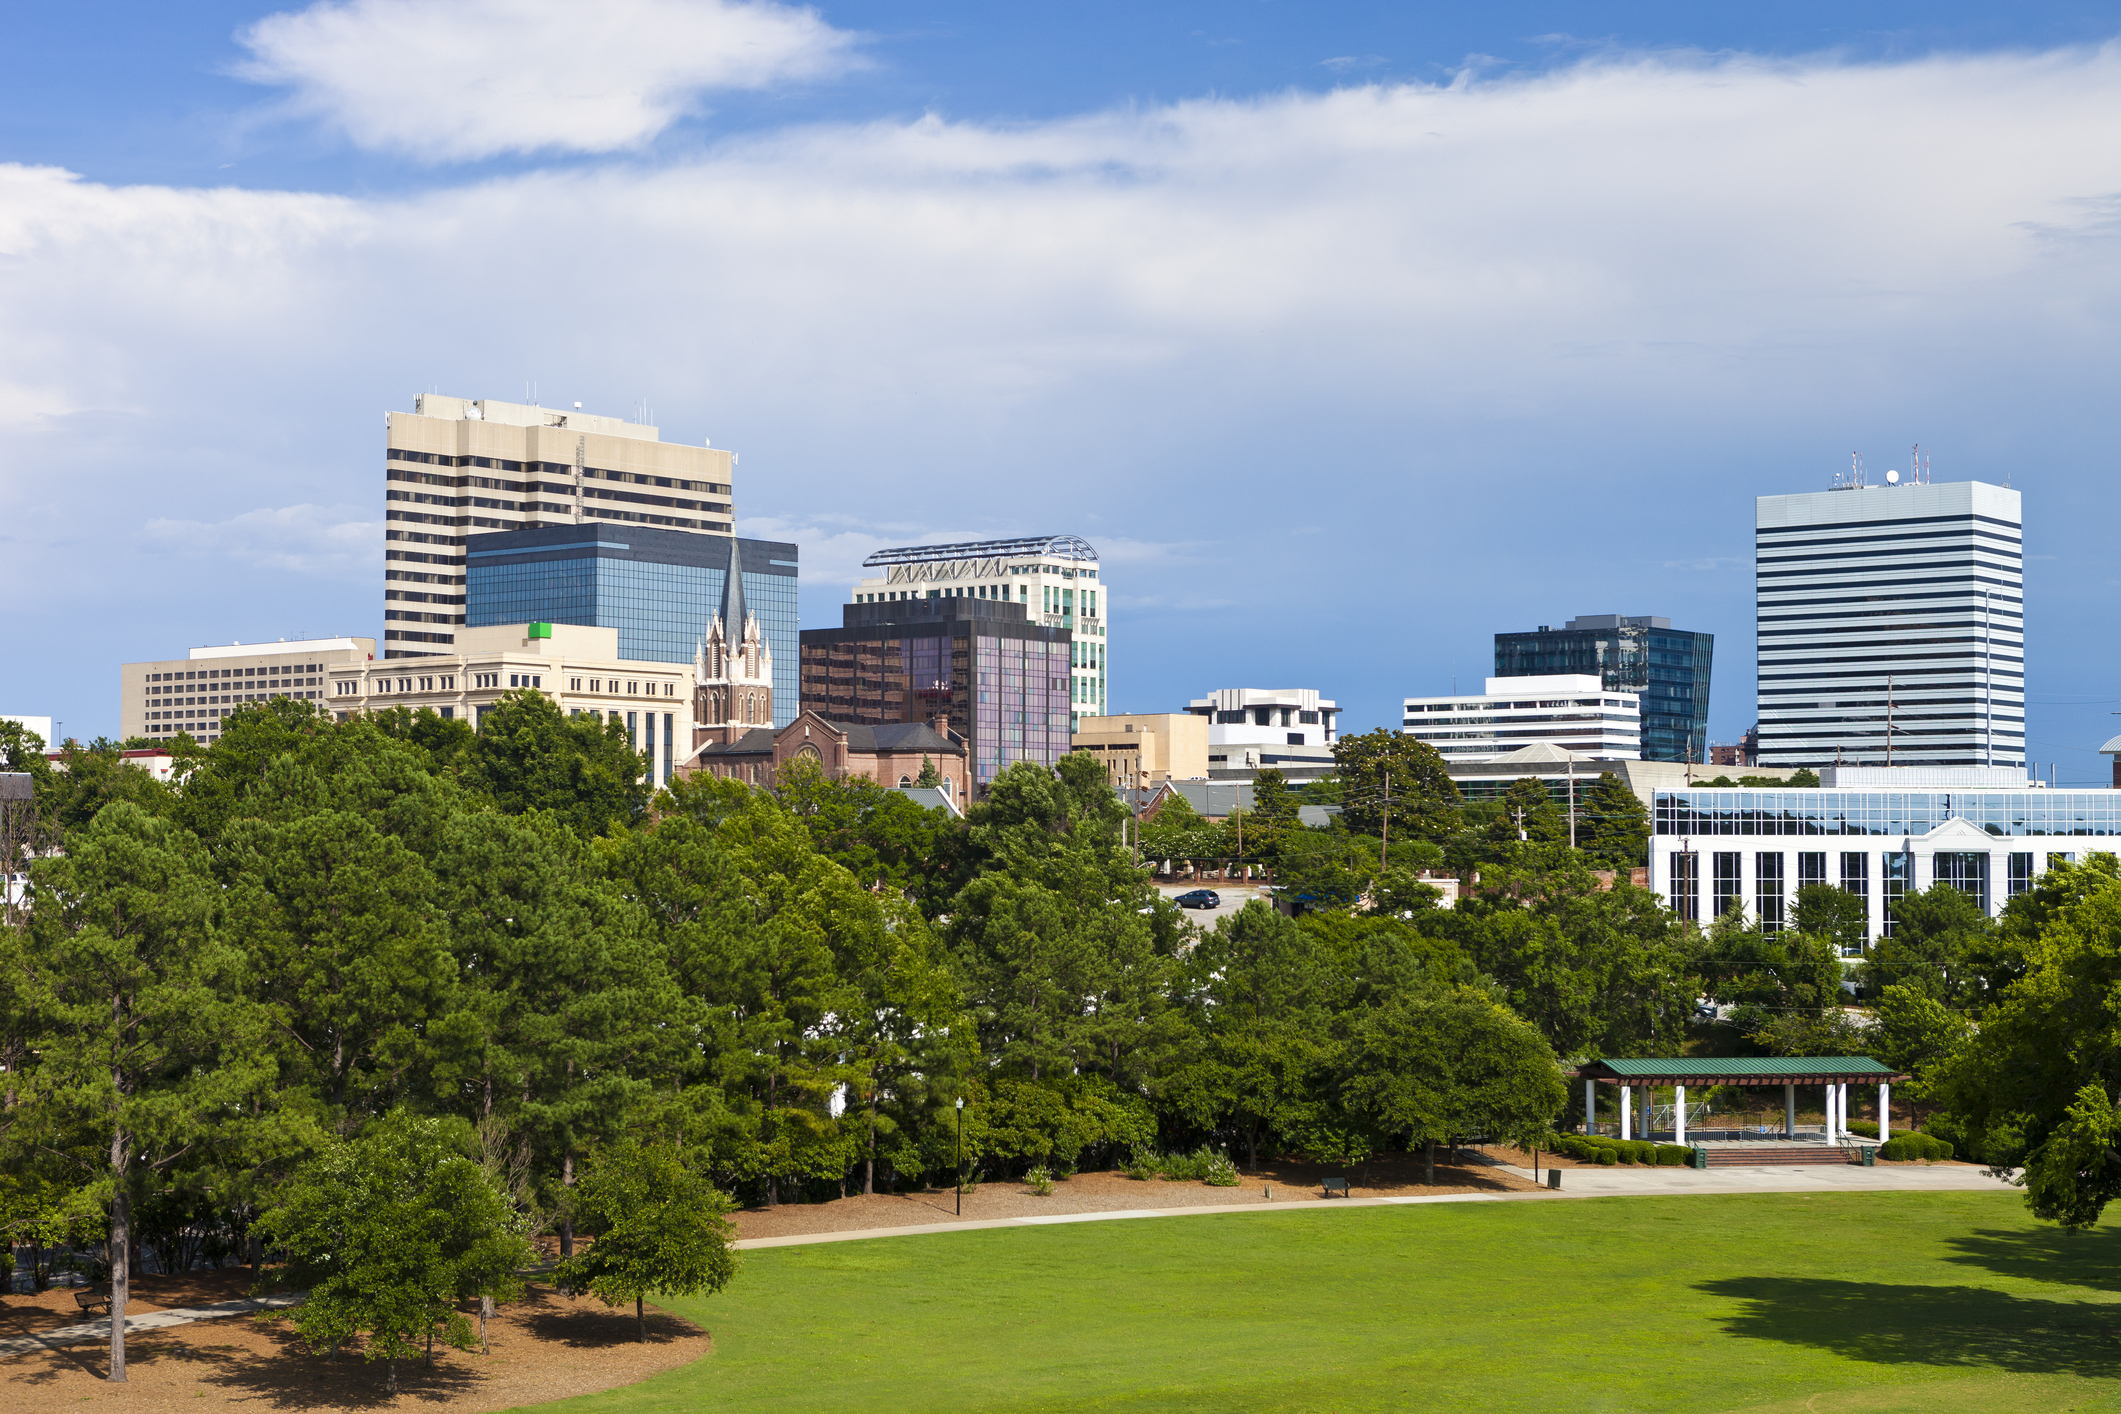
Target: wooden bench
{"points": [[1336, 1185], [89, 1298]]}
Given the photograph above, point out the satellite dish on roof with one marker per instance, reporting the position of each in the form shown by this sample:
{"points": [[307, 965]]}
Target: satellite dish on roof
{"points": [[1892, 478]]}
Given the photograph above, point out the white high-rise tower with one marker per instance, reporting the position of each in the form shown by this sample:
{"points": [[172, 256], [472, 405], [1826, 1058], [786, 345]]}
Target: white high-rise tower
{"points": [[1891, 626]]}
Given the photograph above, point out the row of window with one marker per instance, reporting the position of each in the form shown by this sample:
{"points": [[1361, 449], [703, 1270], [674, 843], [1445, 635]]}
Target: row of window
{"points": [[205, 674], [384, 686], [1847, 812], [553, 469], [1770, 898]]}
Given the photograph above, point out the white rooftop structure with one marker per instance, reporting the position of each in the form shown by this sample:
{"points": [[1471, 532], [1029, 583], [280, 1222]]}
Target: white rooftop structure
{"points": [[1287, 728], [1572, 713]]}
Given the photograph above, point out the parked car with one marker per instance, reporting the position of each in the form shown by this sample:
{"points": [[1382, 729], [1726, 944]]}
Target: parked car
{"points": [[1199, 898]]}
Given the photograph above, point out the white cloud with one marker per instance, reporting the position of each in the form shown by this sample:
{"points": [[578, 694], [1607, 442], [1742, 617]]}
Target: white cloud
{"points": [[457, 79], [1513, 342], [319, 541]]}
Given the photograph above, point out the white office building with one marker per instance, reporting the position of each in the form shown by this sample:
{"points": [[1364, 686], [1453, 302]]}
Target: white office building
{"points": [[1055, 578], [193, 695], [1288, 728], [1571, 711], [1891, 626], [1876, 832]]}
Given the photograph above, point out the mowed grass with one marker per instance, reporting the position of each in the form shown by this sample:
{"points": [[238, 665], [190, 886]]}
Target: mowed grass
{"points": [[1828, 1304]]}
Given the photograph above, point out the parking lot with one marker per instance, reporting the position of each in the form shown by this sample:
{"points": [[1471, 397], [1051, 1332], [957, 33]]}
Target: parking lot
{"points": [[1234, 897]]}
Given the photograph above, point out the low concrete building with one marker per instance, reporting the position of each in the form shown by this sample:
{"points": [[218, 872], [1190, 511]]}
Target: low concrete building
{"points": [[194, 694], [1289, 728], [1146, 748]]}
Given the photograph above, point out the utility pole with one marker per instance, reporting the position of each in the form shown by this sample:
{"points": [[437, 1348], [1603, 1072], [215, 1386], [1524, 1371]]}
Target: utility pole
{"points": [[1572, 803], [1384, 840]]}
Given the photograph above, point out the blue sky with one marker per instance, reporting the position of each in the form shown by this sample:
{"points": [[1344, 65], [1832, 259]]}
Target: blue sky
{"points": [[1352, 334]]}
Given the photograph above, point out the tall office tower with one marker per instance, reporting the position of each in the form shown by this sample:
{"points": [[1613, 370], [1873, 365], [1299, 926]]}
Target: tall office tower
{"points": [[453, 467], [1054, 577], [996, 673], [1666, 667], [663, 590], [1892, 626]]}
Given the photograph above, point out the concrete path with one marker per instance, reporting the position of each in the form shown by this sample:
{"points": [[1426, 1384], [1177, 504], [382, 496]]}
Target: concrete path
{"points": [[1621, 1181], [1576, 1183], [98, 1330]]}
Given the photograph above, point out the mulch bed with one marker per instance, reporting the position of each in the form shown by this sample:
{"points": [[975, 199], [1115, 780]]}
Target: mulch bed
{"points": [[1394, 1175], [545, 1347]]}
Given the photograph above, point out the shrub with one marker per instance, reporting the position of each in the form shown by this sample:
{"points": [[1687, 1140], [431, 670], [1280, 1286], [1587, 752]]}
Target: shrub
{"points": [[1221, 1172], [1645, 1151], [1868, 1128], [1674, 1155], [1607, 1158], [1143, 1165], [1041, 1181], [1915, 1146]]}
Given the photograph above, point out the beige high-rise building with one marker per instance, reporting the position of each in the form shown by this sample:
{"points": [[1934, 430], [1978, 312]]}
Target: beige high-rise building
{"points": [[458, 467]]}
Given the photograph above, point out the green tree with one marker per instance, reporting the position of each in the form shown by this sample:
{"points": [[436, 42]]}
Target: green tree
{"points": [[929, 778], [877, 834], [1529, 814], [1839, 917], [1612, 824], [661, 1229], [1940, 943], [389, 1234], [1420, 801], [2036, 1086], [1425, 1070], [527, 756], [147, 1044]]}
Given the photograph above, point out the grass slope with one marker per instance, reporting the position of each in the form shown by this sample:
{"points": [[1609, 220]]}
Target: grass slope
{"points": [[1830, 1304]]}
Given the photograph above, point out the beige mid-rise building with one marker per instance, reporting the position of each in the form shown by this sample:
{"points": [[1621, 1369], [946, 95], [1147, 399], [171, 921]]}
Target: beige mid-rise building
{"points": [[193, 694], [1147, 748], [458, 467], [578, 668]]}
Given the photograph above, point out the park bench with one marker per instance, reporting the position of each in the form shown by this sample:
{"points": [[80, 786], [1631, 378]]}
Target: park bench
{"points": [[1336, 1185], [90, 1297]]}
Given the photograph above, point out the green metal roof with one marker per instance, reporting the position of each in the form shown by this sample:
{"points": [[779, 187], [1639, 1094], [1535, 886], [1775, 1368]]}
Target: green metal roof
{"points": [[1741, 1070]]}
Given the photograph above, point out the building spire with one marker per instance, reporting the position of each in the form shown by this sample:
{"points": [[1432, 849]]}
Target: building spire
{"points": [[733, 614]]}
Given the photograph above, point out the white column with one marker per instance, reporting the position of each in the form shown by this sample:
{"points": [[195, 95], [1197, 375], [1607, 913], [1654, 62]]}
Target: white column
{"points": [[1590, 1105], [1829, 1108], [1679, 1114], [1885, 1111], [1789, 1110], [1627, 1107]]}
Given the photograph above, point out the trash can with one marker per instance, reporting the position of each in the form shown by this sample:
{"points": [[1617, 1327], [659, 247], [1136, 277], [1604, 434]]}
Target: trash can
{"points": [[1553, 1178], [1870, 1156], [1697, 1157]]}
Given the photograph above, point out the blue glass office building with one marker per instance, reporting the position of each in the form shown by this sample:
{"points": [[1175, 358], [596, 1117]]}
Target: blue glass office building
{"points": [[1668, 668], [658, 588]]}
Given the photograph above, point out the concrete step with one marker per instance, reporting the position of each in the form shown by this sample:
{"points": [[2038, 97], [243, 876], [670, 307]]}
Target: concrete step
{"points": [[1759, 1155]]}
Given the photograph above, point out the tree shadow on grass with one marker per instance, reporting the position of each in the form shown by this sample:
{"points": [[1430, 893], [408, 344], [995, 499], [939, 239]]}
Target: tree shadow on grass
{"points": [[2052, 1254], [1928, 1325], [588, 1327]]}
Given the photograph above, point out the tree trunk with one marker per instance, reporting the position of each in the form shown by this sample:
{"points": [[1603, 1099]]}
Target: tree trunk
{"points": [[640, 1318], [430, 1347], [869, 1164], [485, 1310], [1430, 1156], [566, 1218], [121, 1241], [1252, 1146], [393, 1367]]}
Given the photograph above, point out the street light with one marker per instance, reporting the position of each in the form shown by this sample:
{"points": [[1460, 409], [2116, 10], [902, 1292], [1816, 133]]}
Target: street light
{"points": [[961, 1156]]}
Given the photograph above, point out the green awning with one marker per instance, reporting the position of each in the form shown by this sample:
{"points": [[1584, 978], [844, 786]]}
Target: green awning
{"points": [[1742, 1070]]}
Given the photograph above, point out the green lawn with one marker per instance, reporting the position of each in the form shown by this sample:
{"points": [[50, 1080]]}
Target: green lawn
{"points": [[1828, 1304]]}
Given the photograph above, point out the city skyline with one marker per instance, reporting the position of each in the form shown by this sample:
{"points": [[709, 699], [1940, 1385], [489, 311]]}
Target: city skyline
{"points": [[1292, 315]]}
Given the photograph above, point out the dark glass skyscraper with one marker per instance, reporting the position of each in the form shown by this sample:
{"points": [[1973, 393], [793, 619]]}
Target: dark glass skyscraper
{"points": [[658, 588], [1667, 667], [1001, 679]]}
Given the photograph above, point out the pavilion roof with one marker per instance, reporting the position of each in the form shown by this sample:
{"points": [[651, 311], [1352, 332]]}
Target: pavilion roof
{"points": [[1741, 1070]]}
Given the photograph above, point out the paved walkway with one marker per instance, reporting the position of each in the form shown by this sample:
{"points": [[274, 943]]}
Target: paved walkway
{"points": [[1576, 1183], [98, 1330]]}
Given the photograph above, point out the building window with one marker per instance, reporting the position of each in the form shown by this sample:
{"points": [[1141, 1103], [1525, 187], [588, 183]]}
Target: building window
{"points": [[1966, 872], [1893, 872], [2021, 875], [1729, 881], [1768, 891], [1811, 869], [1856, 877], [1686, 885]]}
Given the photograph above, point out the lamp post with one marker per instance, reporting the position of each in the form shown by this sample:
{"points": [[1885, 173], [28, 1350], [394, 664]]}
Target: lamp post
{"points": [[961, 1156]]}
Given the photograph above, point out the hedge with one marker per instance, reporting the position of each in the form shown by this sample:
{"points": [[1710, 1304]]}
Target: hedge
{"points": [[1868, 1128], [1915, 1146]]}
